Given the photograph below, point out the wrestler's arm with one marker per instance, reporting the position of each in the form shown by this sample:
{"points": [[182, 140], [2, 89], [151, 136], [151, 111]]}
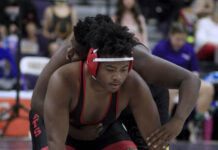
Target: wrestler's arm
{"points": [[158, 71], [58, 60], [143, 107], [56, 111]]}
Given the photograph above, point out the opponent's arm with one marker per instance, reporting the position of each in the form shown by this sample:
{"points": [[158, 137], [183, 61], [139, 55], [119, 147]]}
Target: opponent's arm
{"points": [[56, 111], [143, 107], [58, 60], [158, 71]]}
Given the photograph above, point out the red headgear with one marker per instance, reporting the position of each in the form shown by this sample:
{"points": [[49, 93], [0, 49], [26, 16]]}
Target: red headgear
{"points": [[92, 61]]}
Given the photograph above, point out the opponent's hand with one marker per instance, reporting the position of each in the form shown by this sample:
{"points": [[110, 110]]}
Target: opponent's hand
{"points": [[87, 133], [161, 137]]}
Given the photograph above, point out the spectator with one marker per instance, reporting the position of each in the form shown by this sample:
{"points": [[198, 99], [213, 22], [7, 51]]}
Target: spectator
{"points": [[31, 44], [191, 14], [206, 36], [11, 14], [12, 40], [40, 7], [128, 14], [58, 24], [203, 8], [168, 12], [3, 35], [11, 11], [29, 14], [7, 69], [176, 50]]}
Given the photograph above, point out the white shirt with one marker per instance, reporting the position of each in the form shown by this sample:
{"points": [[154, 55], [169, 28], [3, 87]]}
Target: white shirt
{"points": [[207, 31]]}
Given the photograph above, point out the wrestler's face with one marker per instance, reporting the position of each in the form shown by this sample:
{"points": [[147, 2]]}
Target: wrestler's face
{"points": [[178, 40], [111, 75]]}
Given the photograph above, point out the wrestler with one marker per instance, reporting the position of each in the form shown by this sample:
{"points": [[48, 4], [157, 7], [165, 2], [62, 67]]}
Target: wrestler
{"points": [[147, 66]]}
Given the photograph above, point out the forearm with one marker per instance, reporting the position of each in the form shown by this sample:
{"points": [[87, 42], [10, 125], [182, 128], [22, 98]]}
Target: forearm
{"points": [[188, 93], [38, 97], [169, 75]]}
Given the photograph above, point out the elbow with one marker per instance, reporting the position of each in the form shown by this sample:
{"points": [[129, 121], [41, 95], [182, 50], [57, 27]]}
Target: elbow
{"points": [[197, 80]]}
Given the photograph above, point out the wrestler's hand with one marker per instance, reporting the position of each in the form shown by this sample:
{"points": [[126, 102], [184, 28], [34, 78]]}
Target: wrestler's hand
{"points": [[86, 133], [161, 137]]}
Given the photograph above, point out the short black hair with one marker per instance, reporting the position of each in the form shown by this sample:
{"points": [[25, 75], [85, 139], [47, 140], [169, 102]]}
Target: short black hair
{"points": [[111, 40], [102, 33], [82, 28]]}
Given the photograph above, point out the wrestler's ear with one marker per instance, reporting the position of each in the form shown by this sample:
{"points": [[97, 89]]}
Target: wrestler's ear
{"points": [[70, 53]]}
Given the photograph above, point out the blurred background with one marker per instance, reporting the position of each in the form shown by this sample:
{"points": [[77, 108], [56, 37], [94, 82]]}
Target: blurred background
{"points": [[31, 31]]}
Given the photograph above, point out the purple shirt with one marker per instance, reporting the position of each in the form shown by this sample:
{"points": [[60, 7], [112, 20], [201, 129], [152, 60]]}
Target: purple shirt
{"points": [[185, 57]]}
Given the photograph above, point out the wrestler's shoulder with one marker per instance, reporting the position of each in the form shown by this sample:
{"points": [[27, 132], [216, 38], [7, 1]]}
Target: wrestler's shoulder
{"points": [[140, 47], [69, 72], [133, 81]]}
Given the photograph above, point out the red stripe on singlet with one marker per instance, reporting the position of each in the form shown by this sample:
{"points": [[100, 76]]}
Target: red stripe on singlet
{"points": [[67, 147], [70, 148], [122, 145], [44, 148], [84, 95], [100, 119], [117, 104]]}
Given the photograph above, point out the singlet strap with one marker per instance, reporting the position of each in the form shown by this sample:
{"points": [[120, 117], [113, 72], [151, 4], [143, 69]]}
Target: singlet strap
{"points": [[76, 111]]}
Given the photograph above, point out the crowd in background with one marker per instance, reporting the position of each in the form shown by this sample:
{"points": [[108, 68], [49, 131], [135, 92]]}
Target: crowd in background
{"points": [[189, 30]]}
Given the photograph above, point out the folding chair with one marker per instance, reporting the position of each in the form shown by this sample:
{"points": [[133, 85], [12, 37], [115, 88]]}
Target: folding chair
{"points": [[30, 68]]}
